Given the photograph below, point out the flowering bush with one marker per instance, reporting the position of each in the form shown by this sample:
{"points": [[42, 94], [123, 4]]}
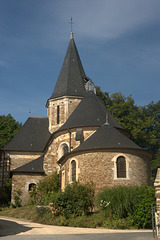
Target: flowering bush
{"points": [[77, 199], [56, 211]]}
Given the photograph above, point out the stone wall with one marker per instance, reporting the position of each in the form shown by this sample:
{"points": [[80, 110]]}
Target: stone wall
{"points": [[100, 167], [19, 159], [66, 106], [22, 181], [52, 155], [12, 160], [157, 192]]}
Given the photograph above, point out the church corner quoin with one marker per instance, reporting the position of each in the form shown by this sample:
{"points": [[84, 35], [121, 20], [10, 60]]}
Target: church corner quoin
{"points": [[76, 139]]}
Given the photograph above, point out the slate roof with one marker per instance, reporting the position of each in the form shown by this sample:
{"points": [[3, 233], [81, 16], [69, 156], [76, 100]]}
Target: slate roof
{"points": [[32, 136], [107, 137], [70, 81], [89, 112], [34, 166]]}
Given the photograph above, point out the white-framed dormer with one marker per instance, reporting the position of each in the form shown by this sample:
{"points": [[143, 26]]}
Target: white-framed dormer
{"points": [[63, 149], [73, 170], [121, 167]]}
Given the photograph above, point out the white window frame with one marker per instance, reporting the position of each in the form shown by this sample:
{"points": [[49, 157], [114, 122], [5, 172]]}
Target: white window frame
{"points": [[60, 149], [70, 170], [114, 160]]}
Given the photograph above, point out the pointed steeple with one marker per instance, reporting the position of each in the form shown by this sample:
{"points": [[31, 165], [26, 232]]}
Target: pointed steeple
{"points": [[70, 81]]}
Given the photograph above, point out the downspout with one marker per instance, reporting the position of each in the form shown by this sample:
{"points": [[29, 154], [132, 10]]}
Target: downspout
{"points": [[69, 139], [60, 175]]}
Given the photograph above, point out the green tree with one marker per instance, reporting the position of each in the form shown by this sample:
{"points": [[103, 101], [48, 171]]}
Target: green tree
{"points": [[153, 110], [135, 120], [8, 128], [142, 122]]}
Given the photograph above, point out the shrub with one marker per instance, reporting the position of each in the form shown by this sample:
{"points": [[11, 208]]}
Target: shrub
{"points": [[5, 193], [121, 223], [118, 202], [45, 190], [133, 203], [17, 198], [77, 199], [142, 217]]}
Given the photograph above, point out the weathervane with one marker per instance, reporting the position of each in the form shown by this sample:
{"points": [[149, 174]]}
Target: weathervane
{"points": [[71, 22]]}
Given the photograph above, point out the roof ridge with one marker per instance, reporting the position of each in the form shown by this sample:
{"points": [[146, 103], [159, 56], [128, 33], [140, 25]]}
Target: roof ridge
{"points": [[37, 117]]}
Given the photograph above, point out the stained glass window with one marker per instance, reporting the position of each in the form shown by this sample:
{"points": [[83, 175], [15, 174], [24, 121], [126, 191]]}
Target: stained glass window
{"points": [[73, 167], [121, 167]]}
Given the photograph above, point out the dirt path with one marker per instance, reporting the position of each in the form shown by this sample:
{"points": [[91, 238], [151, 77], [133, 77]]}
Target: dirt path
{"points": [[12, 226]]}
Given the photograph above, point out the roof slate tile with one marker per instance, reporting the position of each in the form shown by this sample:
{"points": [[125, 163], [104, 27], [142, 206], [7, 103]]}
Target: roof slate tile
{"points": [[32, 136]]}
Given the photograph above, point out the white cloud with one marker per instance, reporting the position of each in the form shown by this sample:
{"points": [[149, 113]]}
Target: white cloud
{"points": [[107, 18], [46, 23]]}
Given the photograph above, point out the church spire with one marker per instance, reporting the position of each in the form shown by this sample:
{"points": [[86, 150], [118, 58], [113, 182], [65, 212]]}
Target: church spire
{"points": [[71, 78]]}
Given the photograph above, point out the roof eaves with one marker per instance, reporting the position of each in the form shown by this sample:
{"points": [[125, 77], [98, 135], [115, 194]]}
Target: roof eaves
{"points": [[74, 152], [27, 172]]}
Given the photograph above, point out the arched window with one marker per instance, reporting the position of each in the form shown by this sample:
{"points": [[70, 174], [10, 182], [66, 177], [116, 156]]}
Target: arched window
{"points": [[31, 186], [121, 167], [73, 170], [63, 149], [58, 114]]}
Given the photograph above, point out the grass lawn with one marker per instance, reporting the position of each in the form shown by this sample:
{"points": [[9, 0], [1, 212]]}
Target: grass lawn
{"points": [[44, 215], [26, 212]]}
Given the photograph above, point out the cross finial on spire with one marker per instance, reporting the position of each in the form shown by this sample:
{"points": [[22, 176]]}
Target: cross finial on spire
{"points": [[71, 22]]}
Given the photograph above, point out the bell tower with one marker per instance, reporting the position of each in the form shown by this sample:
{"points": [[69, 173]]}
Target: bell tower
{"points": [[69, 89]]}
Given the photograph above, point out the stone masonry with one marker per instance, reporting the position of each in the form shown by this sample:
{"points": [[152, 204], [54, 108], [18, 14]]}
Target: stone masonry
{"points": [[52, 155], [102, 169], [66, 106], [21, 182], [157, 192]]}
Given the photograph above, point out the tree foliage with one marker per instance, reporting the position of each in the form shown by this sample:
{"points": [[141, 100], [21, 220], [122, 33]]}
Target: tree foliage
{"points": [[142, 122], [8, 128]]}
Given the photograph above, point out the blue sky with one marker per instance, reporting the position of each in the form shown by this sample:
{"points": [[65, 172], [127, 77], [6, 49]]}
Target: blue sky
{"points": [[118, 42]]}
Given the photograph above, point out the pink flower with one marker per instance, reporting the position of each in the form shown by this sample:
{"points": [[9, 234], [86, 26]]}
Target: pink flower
{"points": [[50, 204], [52, 212]]}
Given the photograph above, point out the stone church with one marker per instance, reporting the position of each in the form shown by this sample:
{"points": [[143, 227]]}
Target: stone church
{"points": [[79, 138]]}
